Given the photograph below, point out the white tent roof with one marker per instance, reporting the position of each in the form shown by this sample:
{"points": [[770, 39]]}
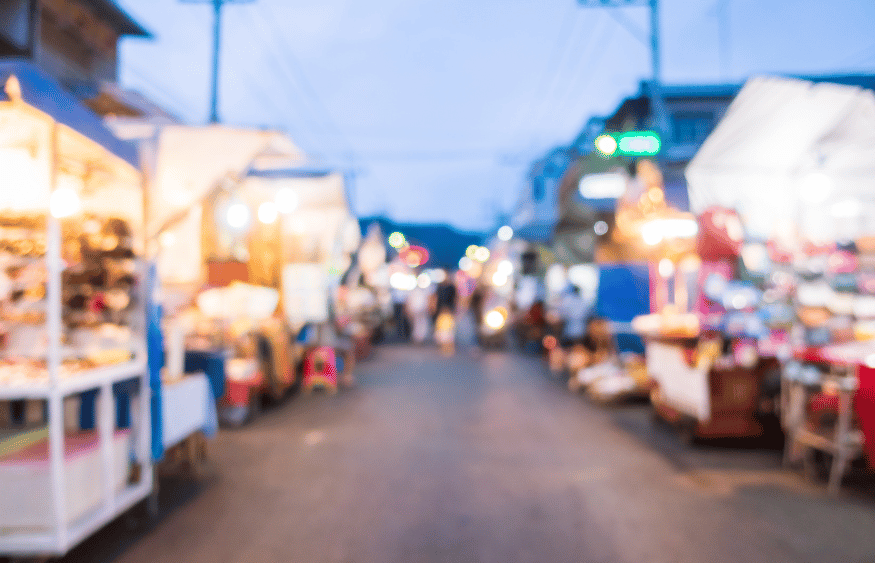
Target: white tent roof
{"points": [[791, 154], [188, 162]]}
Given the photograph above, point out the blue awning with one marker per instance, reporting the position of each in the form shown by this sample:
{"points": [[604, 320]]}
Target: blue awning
{"points": [[44, 93], [280, 173]]}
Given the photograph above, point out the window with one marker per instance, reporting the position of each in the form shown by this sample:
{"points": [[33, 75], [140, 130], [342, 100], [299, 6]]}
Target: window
{"points": [[538, 188], [691, 127]]}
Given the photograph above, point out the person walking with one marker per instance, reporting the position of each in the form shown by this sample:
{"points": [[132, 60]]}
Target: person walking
{"points": [[402, 323]]}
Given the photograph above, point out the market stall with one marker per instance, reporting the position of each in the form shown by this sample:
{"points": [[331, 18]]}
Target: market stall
{"points": [[222, 224], [74, 384], [797, 160], [709, 374]]}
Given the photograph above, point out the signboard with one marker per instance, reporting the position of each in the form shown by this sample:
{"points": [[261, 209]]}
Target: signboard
{"points": [[629, 143], [602, 186]]}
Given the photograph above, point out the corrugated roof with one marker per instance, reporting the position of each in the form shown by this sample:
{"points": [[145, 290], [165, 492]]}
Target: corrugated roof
{"points": [[118, 18]]}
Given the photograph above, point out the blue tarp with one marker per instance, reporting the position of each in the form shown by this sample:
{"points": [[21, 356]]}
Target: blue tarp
{"points": [[623, 294], [294, 173], [44, 93]]}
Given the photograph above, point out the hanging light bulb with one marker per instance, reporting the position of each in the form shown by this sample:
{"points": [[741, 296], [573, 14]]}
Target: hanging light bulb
{"points": [[64, 202], [286, 200], [267, 212], [237, 215]]}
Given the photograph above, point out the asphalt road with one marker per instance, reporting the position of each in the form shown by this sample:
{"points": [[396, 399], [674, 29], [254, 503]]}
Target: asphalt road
{"points": [[483, 457]]}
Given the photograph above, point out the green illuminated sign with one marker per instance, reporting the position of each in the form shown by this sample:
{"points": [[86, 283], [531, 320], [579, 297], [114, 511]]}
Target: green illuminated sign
{"points": [[631, 143]]}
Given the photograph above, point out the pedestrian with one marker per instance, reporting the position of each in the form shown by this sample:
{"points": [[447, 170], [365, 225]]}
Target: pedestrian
{"points": [[444, 314], [445, 332], [445, 296], [574, 311], [418, 313], [402, 324]]}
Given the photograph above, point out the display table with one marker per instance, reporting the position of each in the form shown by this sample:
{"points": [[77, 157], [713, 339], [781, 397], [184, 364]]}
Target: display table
{"points": [[714, 400], [187, 407], [859, 357]]}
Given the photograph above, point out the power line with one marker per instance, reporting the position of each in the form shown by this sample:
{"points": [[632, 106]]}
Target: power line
{"points": [[301, 80], [290, 87], [556, 56], [176, 104], [588, 57]]}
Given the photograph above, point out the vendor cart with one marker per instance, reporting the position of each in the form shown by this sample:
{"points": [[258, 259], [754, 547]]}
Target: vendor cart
{"points": [[72, 321], [81, 410]]}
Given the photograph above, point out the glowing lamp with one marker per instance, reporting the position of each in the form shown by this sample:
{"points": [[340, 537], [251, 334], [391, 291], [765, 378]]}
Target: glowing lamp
{"points": [[397, 240], [606, 144], [286, 200], [237, 216], [267, 212], [505, 233], [499, 279], [64, 202], [494, 319]]}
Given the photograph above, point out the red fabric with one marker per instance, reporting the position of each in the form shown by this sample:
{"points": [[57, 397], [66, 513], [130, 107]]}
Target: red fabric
{"points": [[237, 392], [75, 444], [811, 354], [823, 402], [713, 242], [864, 404]]}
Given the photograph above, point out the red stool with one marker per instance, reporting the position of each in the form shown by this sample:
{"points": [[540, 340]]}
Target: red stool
{"points": [[320, 369]]}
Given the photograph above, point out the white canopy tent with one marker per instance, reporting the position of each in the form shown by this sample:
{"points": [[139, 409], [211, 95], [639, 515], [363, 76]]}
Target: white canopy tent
{"points": [[796, 159], [184, 165]]}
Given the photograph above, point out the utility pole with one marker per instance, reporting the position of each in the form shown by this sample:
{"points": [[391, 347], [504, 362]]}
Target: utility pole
{"points": [[217, 33], [660, 117]]}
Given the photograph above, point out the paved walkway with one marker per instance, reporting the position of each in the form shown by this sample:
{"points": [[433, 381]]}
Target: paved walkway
{"points": [[481, 457]]}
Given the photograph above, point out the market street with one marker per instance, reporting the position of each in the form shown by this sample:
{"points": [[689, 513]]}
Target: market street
{"points": [[484, 457]]}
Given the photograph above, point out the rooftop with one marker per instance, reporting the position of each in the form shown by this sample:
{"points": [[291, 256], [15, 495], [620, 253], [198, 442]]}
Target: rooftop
{"points": [[118, 18]]}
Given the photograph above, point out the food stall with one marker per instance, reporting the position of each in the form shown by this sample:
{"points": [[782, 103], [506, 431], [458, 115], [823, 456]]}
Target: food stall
{"points": [[796, 159], [239, 220], [75, 429], [709, 375], [182, 172]]}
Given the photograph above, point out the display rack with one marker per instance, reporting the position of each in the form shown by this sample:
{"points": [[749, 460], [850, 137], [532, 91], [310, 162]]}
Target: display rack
{"points": [[76, 509], [72, 320]]}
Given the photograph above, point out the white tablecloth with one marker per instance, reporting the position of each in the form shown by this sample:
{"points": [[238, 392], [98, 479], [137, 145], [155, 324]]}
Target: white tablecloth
{"points": [[187, 406]]}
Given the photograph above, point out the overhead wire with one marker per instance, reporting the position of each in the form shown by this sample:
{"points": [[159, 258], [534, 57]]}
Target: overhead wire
{"points": [[563, 36], [582, 74], [299, 78], [300, 82], [561, 77], [296, 111], [176, 104]]}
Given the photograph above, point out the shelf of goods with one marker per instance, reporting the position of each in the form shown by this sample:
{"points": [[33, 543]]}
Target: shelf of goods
{"points": [[74, 387], [74, 400], [828, 387]]}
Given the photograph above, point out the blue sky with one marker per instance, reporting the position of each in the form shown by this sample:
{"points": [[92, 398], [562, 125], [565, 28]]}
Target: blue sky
{"points": [[440, 105]]}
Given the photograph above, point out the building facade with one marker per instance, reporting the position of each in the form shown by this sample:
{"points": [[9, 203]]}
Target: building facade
{"points": [[76, 43]]}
